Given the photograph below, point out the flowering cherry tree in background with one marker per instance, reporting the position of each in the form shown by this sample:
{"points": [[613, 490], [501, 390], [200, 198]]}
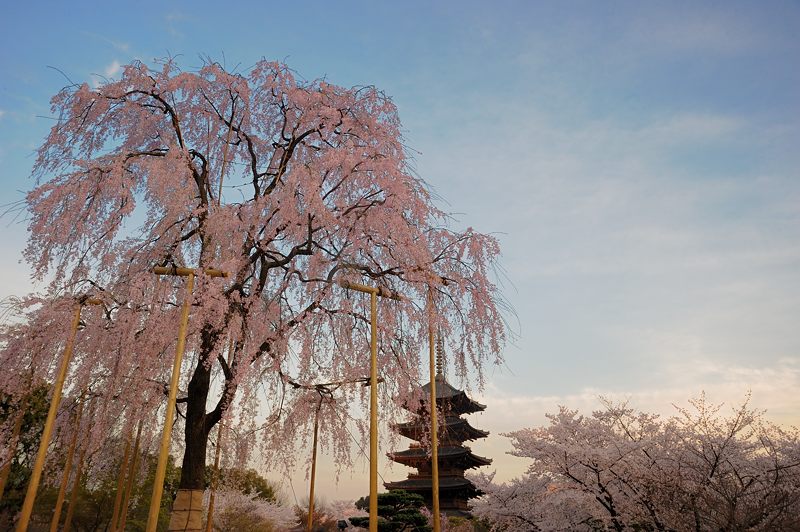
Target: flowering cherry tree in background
{"points": [[236, 511], [531, 502], [619, 469], [344, 509], [290, 186]]}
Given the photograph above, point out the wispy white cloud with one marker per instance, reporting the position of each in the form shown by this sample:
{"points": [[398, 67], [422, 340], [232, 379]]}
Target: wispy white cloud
{"points": [[112, 69], [109, 71], [689, 127], [117, 45], [171, 19]]}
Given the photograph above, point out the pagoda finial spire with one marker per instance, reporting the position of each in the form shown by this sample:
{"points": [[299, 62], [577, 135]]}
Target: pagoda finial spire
{"points": [[439, 354]]}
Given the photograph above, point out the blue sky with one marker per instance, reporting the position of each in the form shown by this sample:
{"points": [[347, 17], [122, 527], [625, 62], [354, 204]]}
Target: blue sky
{"points": [[638, 161]]}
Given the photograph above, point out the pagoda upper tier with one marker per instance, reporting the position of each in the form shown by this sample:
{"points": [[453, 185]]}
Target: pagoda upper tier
{"points": [[453, 428], [457, 401], [455, 457]]}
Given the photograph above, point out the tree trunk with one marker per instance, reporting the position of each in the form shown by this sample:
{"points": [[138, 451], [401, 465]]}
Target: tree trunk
{"points": [[187, 510], [196, 433]]}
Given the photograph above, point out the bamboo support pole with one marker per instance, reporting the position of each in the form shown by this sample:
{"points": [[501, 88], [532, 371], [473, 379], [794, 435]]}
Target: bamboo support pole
{"points": [[131, 478], [434, 425], [36, 473], [374, 292], [313, 468], [62, 489], [373, 414], [76, 483], [161, 468], [123, 466]]}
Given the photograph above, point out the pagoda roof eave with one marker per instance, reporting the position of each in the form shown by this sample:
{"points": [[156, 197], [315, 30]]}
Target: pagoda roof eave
{"points": [[445, 483], [444, 390], [464, 454], [459, 404], [452, 425]]}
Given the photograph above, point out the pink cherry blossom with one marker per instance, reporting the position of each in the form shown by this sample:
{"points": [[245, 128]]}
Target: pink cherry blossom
{"points": [[316, 187]]}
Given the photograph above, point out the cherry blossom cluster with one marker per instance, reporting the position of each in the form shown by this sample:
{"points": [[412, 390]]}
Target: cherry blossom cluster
{"points": [[290, 187], [622, 469]]}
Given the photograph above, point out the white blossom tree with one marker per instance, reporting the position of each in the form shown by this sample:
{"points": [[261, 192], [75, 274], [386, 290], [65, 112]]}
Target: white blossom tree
{"points": [[240, 512], [618, 469]]}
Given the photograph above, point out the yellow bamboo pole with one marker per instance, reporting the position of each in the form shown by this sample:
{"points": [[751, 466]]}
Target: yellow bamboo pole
{"points": [[373, 414], [434, 425], [313, 468], [374, 292], [36, 473], [73, 496], [214, 479], [12, 447], [62, 489], [131, 477], [123, 466], [161, 468]]}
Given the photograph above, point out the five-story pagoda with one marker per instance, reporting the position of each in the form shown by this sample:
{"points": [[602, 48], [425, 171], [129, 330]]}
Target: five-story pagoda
{"points": [[454, 457]]}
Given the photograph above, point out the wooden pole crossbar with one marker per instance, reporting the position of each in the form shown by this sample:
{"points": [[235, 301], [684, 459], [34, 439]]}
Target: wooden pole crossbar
{"points": [[186, 272], [44, 443], [374, 292], [377, 290]]}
